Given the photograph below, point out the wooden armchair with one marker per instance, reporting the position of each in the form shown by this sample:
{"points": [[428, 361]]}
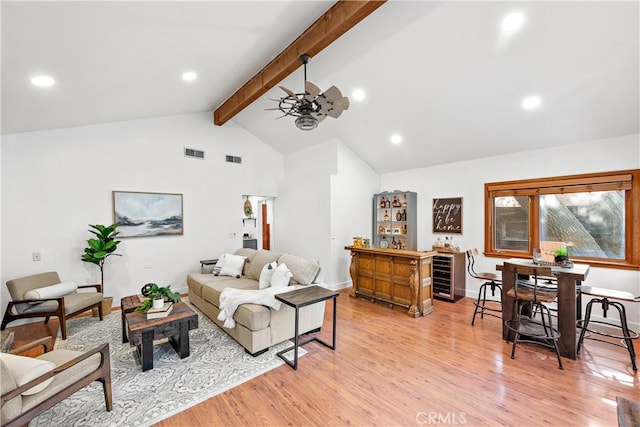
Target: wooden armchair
{"points": [[62, 304], [73, 371]]}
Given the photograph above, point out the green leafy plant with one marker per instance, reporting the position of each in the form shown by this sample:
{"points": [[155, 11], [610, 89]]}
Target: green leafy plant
{"points": [[101, 247], [562, 251], [156, 292]]}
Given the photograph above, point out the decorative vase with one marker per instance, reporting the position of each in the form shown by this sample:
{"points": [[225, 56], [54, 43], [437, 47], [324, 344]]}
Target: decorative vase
{"points": [[158, 303]]}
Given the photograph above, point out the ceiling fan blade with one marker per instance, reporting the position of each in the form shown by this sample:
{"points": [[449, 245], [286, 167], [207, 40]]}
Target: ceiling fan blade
{"points": [[320, 116], [311, 91], [289, 92], [332, 93], [333, 108]]}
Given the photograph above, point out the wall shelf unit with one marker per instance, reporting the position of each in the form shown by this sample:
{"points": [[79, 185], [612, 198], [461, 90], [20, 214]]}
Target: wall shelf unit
{"points": [[395, 220]]}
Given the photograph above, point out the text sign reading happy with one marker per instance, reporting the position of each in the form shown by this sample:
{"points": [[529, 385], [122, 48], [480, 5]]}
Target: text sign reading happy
{"points": [[447, 215]]}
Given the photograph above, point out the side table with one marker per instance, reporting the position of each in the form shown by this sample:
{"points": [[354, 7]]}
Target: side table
{"points": [[303, 297]]}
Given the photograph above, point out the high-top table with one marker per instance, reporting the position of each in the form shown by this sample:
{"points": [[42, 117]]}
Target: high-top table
{"points": [[569, 280]]}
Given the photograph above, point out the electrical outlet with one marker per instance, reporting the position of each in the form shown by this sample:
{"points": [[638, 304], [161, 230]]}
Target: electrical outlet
{"points": [[36, 256]]}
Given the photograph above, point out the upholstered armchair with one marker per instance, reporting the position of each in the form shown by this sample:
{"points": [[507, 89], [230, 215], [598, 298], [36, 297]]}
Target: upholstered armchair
{"points": [[43, 295], [31, 386]]}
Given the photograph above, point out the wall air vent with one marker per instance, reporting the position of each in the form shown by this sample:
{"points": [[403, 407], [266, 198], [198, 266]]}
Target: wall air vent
{"points": [[192, 152], [233, 159]]}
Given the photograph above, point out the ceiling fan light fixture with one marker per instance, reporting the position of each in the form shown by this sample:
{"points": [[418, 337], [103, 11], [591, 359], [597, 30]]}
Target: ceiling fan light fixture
{"points": [[306, 122], [311, 107]]}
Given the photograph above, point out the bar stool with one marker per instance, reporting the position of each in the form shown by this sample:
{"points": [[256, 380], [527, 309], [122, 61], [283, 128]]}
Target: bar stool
{"points": [[604, 297], [484, 305]]}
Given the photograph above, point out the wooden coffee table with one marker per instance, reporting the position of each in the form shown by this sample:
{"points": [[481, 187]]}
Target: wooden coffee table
{"points": [[142, 332]]}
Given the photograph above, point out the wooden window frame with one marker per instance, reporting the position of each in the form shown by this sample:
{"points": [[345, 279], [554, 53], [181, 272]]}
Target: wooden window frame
{"points": [[627, 180]]}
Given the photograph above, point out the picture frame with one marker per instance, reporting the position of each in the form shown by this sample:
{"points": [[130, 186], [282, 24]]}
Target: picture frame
{"points": [[447, 215], [144, 214]]}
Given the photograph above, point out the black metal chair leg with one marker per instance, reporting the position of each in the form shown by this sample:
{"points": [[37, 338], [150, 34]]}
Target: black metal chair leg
{"points": [[622, 313], [585, 324]]}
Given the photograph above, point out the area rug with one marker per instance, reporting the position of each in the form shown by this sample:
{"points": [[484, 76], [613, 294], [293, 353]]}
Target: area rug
{"points": [[216, 364]]}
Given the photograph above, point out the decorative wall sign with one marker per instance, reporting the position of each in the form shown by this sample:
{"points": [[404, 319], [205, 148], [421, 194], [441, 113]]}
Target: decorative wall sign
{"points": [[447, 215], [147, 214]]}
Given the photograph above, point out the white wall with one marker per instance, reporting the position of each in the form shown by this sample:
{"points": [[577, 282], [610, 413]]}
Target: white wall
{"points": [[467, 179], [56, 182], [352, 190], [324, 201]]}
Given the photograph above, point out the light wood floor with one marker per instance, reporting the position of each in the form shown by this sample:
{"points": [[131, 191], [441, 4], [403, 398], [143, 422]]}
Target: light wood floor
{"points": [[393, 370]]}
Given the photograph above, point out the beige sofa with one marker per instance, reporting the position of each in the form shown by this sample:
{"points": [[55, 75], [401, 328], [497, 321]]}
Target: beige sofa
{"points": [[259, 327]]}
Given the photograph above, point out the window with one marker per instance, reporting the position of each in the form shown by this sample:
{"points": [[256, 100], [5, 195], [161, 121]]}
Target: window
{"points": [[598, 215]]}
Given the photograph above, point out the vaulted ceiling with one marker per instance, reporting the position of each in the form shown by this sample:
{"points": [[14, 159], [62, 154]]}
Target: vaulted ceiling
{"points": [[441, 74]]}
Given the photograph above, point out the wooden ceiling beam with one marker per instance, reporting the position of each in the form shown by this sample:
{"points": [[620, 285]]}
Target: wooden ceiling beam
{"points": [[336, 21]]}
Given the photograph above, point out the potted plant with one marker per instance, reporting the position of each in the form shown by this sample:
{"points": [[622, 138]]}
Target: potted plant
{"points": [[561, 254], [98, 250], [154, 293]]}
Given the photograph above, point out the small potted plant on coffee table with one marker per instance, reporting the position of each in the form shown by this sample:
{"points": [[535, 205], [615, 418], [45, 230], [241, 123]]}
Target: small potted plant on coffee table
{"points": [[156, 296]]}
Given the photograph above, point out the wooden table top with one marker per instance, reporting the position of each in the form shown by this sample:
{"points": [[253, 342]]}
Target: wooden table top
{"points": [[138, 321], [306, 295]]}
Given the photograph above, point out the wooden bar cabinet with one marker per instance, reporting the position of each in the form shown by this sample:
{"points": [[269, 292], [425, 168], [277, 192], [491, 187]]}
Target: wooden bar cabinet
{"points": [[394, 276]]}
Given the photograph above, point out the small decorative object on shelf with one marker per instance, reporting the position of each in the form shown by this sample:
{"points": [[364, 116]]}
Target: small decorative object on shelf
{"points": [[395, 213], [357, 242], [366, 243], [384, 243]]}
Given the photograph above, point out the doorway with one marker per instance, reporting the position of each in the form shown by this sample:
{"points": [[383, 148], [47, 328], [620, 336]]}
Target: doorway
{"points": [[257, 227]]}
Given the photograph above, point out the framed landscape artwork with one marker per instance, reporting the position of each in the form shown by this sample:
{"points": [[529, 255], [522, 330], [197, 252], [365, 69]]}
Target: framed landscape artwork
{"points": [[147, 214], [447, 215]]}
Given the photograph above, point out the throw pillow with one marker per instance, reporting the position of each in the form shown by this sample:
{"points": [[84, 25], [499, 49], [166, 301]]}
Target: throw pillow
{"points": [[267, 274], [218, 266], [24, 369], [53, 291], [232, 266], [281, 276]]}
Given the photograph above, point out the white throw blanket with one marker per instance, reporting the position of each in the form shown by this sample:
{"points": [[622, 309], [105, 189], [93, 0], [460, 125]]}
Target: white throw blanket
{"points": [[231, 298]]}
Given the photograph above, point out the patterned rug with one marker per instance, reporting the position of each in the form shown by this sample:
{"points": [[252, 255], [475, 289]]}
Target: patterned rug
{"points": [[216, 364]]}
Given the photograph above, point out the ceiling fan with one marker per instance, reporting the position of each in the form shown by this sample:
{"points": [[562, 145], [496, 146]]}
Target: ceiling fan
{"points": [[311, 107]]}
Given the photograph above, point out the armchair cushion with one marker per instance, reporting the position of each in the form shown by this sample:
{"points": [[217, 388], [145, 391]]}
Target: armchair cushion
{"points": [[72, 303], [24, 369], [53, 291], [13, 407], [65, 378]]}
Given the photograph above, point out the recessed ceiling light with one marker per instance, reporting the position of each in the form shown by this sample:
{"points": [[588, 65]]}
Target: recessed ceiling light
{"points": [[189, 76], [531, 102], [396, 139], [42, 81], [512, 22], [358, 94]]}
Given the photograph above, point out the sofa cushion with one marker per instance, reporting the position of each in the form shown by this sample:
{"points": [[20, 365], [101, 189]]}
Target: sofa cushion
{"points": [[211, 289], [281, 276], [303, 270], [249, 254], [262, 257], [253, 316]]}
